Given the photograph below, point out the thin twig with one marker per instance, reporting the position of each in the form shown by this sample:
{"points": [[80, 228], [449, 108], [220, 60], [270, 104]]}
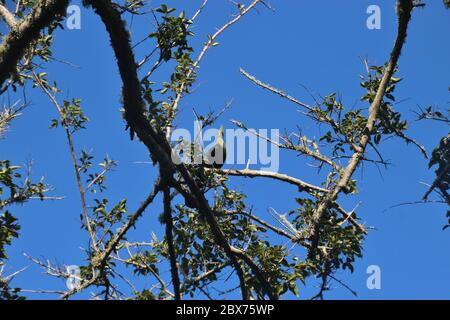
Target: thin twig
{"points": [[205, 2], [207, 46], [81, 189]]}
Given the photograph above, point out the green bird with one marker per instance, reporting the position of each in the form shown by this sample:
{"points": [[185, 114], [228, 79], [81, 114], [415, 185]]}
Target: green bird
{"points": [[213, 158], [216, 156]]}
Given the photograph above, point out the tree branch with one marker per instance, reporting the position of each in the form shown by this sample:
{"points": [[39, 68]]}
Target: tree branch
{"points": [[206, 47], [302, 186], [291, 146], [169, 238], [7, 16], [404, 8], [26, 31], [268, 288], [80, 187], [100, 260], [158, 146]]}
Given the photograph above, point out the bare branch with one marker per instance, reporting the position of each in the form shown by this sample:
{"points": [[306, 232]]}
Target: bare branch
{"points": [[349, 217], [7, 16], [302, 186], [289, 145], [275, 90], [7, 115], [205, 2], [312, 110], [265, 224]]}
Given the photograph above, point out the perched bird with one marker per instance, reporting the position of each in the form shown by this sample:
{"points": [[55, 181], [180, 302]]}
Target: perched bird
{"points": [[216, 156], [213, 158]]}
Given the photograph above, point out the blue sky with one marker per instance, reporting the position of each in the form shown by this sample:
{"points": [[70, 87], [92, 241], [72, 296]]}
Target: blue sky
{"points": [[314, 44]]}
